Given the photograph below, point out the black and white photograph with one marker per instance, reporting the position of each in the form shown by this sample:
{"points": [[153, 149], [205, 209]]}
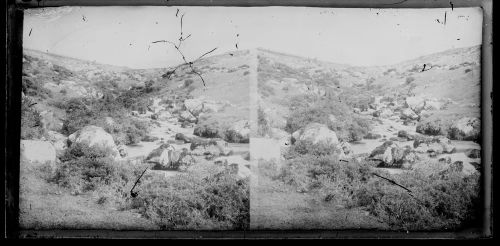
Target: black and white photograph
{"points": [[277, 118], [134, 118], [368, 119]]}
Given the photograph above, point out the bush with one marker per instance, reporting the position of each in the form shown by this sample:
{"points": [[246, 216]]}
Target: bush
{"points": [[302, 147], [263, 125], [348, 126], [34, 88], [432, 127], [80, 113], [438, 202], [197, 199], [85, 168]]}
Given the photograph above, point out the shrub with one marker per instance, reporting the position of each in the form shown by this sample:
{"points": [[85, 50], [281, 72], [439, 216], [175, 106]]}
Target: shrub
{"points": [[197, 199], [34, 88], [348, 126], [438, 202], [432, 127], [468, 70], [302, 147], [263, 125]]}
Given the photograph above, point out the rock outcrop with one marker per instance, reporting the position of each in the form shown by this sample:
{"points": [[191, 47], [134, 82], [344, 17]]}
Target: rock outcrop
{"points": [[94, 136], [316, 133]]}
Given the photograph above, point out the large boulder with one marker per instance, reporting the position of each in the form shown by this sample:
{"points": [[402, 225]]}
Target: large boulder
{"points": [[316, 133], [94, 136], [194, 106], [239, 132], [58, 140], [466, 128], [392, 155], [408, 114], [186, 116], [166, 157], [415, 103], [37, 153]]}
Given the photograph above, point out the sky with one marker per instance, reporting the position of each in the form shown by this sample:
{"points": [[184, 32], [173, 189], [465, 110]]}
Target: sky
{"points": [[123, 36]]}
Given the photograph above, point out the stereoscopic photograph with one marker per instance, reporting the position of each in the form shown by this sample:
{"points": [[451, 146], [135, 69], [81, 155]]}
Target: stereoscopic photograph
{"points": [[265, 118]]}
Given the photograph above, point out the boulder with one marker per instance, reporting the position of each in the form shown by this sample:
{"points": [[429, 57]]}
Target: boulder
{"points": [[408, 114], [182, 137], [186, 116], [316, 133], [59, 141], [415, 103], [37, 153], [166, 157], [392, 155], [194, 106], [94, 136], [239, 132], [466, 128]]}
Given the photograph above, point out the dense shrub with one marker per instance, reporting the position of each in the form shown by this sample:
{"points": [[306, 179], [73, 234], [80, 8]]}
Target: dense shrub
{"points": [[85, 168], [348, 126], [432, 127], [264, 127], [81, 112], [210, 198], [302, 147], [448, 201]]}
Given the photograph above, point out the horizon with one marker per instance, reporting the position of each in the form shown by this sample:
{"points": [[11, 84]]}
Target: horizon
{"points": [[382, 37], [258, 48]]}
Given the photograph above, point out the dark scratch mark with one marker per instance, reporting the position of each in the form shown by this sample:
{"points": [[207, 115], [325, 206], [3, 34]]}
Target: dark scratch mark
{"points": [[236, 45], [395, 3], [83, 18], [177, 13], [231, 54], [237, 35], [451, 6], [444, 17], [30, 32]]}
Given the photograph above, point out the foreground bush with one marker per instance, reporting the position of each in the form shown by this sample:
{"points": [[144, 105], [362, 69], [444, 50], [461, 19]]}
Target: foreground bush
{"points": [[442, 200], [438, 202], [211, 198], [85, 168]]}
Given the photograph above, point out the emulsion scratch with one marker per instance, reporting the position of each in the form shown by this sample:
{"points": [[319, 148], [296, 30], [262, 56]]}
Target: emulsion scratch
{"points": [[451, 6], [30, 32], [83, 18]]}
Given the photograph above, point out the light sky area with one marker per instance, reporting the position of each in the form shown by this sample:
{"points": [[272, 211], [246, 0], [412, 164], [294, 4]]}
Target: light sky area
{"points": [[122, 36]]}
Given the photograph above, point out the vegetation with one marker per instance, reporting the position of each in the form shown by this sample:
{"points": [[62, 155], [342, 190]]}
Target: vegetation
{"points": [[306, 109], [31, 121], [83, 112], [202, 198]]}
